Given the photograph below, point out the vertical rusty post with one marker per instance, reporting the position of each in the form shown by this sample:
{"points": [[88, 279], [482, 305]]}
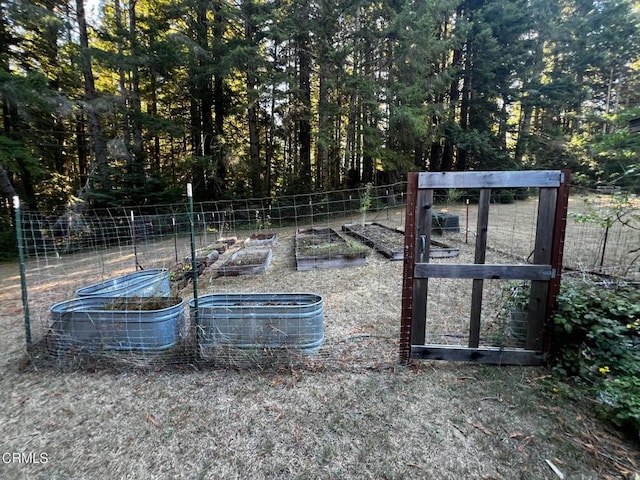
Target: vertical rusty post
{"points": [[557, 251], [407, 273]]}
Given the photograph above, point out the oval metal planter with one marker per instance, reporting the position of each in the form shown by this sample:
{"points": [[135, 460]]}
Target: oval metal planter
{"points": [[143, 283], [261, 320], [95, 323]]}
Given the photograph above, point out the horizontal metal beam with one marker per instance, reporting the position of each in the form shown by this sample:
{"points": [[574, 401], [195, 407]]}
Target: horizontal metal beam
{"points": [[487, 271], [524, 179], [492, 355]]}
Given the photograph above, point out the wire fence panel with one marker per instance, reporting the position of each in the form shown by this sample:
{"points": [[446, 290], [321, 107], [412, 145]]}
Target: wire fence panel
{"points": [[360, 305]]}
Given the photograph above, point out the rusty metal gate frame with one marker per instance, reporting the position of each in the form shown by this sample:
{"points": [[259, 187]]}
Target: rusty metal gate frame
{"points": [[544, 272]]}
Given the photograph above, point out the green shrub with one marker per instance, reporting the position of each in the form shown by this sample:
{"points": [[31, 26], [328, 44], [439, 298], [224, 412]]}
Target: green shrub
{"points": [[596, 341]]}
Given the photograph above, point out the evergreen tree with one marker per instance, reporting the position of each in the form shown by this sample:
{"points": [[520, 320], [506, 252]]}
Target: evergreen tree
{"points": [[257, 97]]}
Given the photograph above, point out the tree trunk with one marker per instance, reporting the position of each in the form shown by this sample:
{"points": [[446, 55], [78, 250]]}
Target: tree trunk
{"points": [[304, 86], [58, 130], [324, 137], [90, 95], [153, 112], [83, 164], [122, 85], [255, 169], [6, 184], [201, 108], [462, 154], [435, 156], [219, 102], [136, 106], [524, 131], [454, 97]]}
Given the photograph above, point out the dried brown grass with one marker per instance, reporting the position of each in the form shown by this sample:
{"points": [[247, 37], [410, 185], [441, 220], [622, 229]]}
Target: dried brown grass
{"points": [[354, 413]]}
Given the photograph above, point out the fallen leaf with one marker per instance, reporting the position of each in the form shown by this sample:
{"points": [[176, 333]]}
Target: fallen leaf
{"points": [[151, 419], [480, 427], [525, 442], [623, 470]]}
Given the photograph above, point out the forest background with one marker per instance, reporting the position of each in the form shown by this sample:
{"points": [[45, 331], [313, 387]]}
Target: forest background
{"points": [[258, 98]]}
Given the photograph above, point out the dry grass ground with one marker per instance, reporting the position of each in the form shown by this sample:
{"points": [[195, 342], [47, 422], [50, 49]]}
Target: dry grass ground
{"points": [[352, 413]]}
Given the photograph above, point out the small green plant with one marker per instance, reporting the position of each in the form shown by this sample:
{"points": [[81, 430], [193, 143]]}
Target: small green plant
{"points": [[454, 195], [318, 246], [596, 343], [516, 295], [365, 201], [515, 302], [263, 223]]}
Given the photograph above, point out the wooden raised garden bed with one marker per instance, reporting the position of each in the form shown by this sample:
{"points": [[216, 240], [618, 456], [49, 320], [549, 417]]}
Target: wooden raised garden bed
{"points": [[387, 241], [207, 255], [390, 241], [246, 262], [265, 239], [182, 272], [325, 248]]}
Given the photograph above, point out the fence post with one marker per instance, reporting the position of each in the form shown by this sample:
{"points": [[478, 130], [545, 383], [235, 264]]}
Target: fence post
{"points": [[194, 264], [23, 277], [557, 253], [406, 320], [133, 242]]}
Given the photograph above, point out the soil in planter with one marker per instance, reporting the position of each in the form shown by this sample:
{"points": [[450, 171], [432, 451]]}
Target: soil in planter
{"points": [[219, 247], [390, 242], [246, 262], [268, 304], [262, 236], [327, 245], [248, 259], [382, 238], [141, 303]]}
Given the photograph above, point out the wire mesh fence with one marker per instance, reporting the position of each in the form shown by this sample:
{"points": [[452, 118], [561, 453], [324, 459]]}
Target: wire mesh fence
{"points": [[116, 287]]}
